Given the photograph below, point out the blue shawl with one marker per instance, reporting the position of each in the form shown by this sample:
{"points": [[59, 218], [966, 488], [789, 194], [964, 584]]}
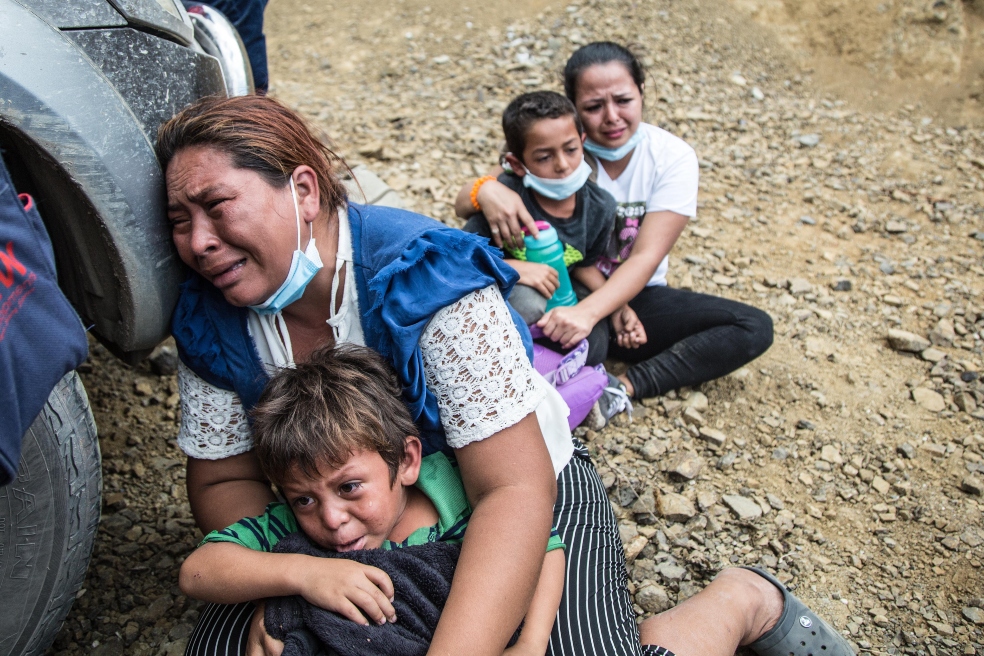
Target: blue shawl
{"points": [[407, 267]]}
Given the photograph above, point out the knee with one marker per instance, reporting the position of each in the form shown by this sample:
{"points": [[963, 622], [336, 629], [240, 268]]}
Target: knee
{"points": [[529, 303], [758, 327]]}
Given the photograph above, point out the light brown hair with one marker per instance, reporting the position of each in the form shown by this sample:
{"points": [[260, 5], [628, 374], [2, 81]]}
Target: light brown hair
{"points": [[344, 399], [258, 133]]}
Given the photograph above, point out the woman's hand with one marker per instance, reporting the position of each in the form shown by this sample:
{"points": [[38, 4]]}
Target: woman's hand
{"points": [[259, 642], [506, 214], [567, 325], [351, 589], [541, 277], [629, 331]]}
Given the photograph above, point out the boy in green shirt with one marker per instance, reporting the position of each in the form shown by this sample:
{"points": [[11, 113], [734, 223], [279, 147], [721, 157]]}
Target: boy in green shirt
{"points": [[335, 437]]}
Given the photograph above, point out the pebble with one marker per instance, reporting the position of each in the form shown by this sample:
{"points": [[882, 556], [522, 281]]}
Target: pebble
{"points": [[653, 598], [676, 507], [880, 485], [685, 464], [928, 399], [973, 614], [943, 334], [745, 508], [972, 485], [799, 286], [901, 340], [713, 436], [808, 140]]}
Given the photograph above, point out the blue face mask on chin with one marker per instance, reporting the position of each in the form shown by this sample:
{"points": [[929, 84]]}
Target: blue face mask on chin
{"points": [[303, 267], [613, 154], [558, 189]]}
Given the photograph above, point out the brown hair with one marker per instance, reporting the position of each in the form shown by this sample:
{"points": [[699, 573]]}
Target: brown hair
{"points": [[344, 399], [525, 110], [258, 133]]}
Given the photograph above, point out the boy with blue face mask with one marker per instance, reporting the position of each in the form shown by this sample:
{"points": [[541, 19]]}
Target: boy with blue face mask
{"points": [[545, 165]]}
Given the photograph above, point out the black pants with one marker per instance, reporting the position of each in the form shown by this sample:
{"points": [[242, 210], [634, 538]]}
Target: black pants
{"points": [[595, 615], [692, 338]]}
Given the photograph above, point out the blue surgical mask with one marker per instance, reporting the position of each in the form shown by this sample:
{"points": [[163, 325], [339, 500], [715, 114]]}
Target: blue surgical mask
{"points": [[303, 267], [613, 154], [558, 189]]}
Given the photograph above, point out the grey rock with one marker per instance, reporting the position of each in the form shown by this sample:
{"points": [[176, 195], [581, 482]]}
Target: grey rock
{"points": [[652, 598], [901, 340], [928, 399], [697, 401], [973, 614], [676, 507], [808, 140], [972, 485], [943, 334], [713, 436], [745, 508], [799, 286], [907, 450], [164, 360], [685, 464], [671, 571], [965, 402]]}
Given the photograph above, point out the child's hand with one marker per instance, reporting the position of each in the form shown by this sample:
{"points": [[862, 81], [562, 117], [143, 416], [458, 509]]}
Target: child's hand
{"points": [[348, 588], [566, 325], [541, 277], [629, 331]]}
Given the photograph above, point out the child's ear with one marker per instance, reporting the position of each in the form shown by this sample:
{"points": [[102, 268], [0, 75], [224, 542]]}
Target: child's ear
{"points": [[516, 165], [410, 466]]}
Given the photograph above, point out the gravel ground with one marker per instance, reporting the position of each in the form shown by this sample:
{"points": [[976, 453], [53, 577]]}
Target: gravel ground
{"points": [[849, 458]]}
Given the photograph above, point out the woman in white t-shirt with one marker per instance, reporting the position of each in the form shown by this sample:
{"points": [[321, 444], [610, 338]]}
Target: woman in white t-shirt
{"points": [[671, 337]]}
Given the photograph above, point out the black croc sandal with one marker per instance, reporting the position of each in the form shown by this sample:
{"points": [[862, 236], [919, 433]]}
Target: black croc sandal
{"points": [[799, 632]]}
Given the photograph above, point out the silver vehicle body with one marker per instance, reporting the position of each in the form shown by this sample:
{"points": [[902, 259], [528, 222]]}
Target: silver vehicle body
{"points": [[84, 84]]}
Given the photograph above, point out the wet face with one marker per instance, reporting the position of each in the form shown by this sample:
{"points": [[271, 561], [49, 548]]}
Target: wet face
{"points": [[354, 506], [553, 148], [609, 104], [230, 225]]}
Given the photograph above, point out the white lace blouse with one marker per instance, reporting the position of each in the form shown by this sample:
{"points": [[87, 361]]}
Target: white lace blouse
{"points": [[474, 364]]}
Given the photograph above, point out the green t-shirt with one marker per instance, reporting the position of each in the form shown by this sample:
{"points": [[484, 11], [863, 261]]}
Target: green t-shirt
{"points": [[439, 480]]}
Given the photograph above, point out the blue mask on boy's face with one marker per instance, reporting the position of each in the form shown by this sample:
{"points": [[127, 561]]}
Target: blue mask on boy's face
{"points": [[613, 154], [559, 189], [303, 267]]}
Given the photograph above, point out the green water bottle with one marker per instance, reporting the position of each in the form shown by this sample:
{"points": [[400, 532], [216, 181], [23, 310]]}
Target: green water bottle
{"points": [[547, 249]]}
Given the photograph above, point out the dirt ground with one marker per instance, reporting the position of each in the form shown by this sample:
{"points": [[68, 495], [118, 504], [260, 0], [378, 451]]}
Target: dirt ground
{"points": [[841, 191]]}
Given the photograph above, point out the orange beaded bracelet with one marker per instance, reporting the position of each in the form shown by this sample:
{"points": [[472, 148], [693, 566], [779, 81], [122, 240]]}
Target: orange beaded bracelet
{"points": [[474, 192]]}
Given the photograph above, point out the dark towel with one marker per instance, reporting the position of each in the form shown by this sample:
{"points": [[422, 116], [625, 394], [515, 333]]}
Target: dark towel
{"points": [[421, 576]]}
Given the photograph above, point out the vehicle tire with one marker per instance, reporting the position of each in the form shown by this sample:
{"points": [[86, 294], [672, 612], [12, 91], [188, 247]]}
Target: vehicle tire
{"points": [[48, 520]]}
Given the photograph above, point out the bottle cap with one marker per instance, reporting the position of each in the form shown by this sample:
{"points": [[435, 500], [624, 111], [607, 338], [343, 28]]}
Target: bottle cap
{"points": [[540, 225]]}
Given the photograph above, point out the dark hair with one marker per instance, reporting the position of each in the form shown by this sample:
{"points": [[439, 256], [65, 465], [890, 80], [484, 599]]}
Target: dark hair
{"points": [[527, 109], [344, 399], [258, 133], [600, 52]]}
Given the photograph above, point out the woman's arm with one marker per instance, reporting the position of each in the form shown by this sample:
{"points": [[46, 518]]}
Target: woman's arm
{"points": [[543, 609], [487, 393], [510, 483], [229, 573], [221, 492], [502, 207], [658, 234]]}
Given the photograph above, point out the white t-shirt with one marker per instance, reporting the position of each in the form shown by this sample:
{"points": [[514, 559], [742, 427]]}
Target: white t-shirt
{"points": [[662, 175]]}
